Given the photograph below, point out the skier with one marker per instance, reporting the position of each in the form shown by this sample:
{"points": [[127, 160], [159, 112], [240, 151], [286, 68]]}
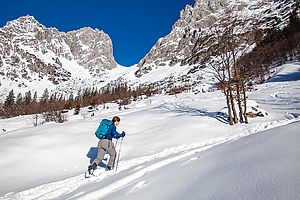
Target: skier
{"points": [[106, 145]]}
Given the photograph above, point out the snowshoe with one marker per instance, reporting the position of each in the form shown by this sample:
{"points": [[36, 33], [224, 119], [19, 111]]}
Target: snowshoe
{"points": [[108, 168], [91, 169]]}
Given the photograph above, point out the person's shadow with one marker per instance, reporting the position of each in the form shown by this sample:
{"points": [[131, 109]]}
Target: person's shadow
{"points": [[92, 155]]}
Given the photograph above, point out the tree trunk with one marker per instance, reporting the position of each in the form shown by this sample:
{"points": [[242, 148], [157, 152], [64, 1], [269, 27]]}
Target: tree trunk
{"points": [[230, 90], [245, 102], [239, 102], [235, 119], [237, 85], [230, 119]]}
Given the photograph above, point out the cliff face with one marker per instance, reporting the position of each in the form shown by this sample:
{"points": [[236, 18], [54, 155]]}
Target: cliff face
{"points": [[181, 44], [174, 47], [34, 57], [91, 48], [27, 47]]}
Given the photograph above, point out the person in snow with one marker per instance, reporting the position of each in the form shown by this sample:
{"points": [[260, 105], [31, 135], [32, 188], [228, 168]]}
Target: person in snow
{"points": [[106, 145]]}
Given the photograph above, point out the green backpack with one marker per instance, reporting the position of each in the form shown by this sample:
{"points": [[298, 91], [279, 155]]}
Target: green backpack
{"points": [[101, 131]]}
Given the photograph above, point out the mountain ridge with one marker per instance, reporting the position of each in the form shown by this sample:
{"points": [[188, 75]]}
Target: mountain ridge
{"points": [[31, 52]]}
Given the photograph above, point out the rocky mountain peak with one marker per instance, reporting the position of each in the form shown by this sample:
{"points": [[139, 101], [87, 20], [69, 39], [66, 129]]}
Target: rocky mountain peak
{"points": [[31, 52], [86, 44], [24, 24], [196, 16], [194, 20]]}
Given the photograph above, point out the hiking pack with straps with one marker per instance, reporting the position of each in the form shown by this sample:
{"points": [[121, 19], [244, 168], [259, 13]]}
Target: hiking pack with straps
{"points": [[103, 128]]}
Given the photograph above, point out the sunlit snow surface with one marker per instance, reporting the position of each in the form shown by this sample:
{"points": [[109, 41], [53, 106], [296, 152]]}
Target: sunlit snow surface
{"points": [[176, 147]]}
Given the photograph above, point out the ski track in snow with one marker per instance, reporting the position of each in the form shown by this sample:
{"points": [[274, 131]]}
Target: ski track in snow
{"points": [[275, 96], [136, 167], [56, 189]]}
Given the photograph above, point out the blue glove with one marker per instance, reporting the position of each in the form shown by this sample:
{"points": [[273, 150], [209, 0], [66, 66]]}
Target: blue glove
{"points": [[123, 134]]}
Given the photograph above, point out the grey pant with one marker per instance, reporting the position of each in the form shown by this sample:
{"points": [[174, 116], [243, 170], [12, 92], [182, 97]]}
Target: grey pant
{"points": [[104, 146]]}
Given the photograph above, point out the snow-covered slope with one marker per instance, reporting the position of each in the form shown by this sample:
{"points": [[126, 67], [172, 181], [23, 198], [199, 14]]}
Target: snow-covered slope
{"points": [[263, 166], [164, 133]]}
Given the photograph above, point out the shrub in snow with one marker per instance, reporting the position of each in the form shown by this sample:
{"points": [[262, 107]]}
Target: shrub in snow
{"points": [[54, 116]]}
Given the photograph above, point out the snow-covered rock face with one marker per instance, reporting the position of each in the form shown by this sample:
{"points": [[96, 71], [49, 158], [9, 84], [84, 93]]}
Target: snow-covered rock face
{"points": [[176, 46], [181, 43], [92, 48], [30, 51]]}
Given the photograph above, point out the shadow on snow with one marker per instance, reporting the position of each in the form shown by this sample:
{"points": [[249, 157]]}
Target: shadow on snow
{"points": [[295, 76], [220, 116], [92, 154]]}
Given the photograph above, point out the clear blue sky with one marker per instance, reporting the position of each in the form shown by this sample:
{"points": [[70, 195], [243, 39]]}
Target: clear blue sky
{"points": [[133, 25]]}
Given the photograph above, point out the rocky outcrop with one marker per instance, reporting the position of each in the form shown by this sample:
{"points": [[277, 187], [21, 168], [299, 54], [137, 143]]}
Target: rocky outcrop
{"points": [[182, 45], [92, 49], [174, 47], [28, 47]]}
